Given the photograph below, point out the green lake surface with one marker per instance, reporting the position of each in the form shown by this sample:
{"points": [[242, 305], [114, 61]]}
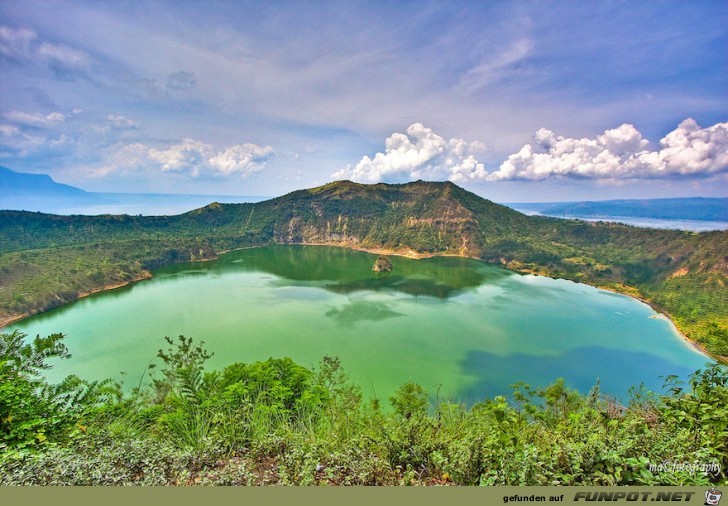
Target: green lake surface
{"points": [[462, 329]]}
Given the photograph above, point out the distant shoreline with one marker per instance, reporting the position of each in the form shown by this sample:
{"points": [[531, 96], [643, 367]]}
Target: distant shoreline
{"points": [[646, 222]]}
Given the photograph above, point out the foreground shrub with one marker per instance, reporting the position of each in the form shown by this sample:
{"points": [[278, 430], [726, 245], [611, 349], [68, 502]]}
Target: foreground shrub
{"points": [[101, 461], [277, 422]]}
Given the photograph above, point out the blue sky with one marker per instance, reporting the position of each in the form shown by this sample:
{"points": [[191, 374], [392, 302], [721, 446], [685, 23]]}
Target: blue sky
{"points": [[516, 101]]}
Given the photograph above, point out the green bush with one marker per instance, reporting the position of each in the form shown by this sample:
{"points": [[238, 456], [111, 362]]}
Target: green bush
{"points": [[277, 422], [34, 413]]}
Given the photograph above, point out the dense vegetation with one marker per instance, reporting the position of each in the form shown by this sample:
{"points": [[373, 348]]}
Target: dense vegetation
{"points": [[277, 422], [48, 260]]}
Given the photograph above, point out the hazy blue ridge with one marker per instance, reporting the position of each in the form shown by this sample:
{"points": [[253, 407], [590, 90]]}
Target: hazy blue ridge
{"points": [[693, 208], [20, 183], [21, 191], [39, 193]]}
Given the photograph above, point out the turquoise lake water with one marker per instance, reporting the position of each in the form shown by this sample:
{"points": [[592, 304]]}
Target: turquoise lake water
{"points": [[462, 329]]}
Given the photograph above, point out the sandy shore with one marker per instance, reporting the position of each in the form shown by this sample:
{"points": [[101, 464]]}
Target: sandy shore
{"points": [[401, 252]]}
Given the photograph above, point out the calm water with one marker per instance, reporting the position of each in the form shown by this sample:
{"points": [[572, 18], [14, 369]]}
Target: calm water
{"points": [[643, 222], [457, 325], [670, 224]]}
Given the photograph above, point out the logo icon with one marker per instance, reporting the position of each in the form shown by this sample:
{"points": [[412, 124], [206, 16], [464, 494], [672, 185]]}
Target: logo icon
{"points": [[712, 497]]}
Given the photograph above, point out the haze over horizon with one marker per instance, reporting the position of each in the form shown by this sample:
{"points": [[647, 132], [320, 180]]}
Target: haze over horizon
{"points": [[515, 101]]}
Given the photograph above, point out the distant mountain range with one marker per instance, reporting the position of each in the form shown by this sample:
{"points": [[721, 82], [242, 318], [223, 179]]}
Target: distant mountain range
{"points": [[38, 192], [694, 208]]}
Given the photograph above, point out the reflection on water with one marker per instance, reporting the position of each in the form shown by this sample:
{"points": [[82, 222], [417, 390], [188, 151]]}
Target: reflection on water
{"points": [[357, 311], [454, 325], [585, 365], [348, 271]]}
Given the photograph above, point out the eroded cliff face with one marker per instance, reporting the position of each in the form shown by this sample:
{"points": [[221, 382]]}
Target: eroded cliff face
{"points": [[299, 230], [429, 220]]}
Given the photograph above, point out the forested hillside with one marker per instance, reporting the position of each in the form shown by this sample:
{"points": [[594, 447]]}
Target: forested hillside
{"points": [[48, 260]]}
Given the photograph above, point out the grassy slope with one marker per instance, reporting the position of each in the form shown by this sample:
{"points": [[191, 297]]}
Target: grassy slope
{"points": [[48, 260]]}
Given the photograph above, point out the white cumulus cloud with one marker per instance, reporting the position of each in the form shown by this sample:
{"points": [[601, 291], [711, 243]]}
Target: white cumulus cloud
{"points": [[619, 153], [198, 158], [243, 158], [689, 150], [189, 156], [419, 154]]}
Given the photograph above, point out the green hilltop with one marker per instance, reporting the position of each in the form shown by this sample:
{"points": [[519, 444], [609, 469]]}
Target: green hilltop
{"points": [[48, 260]]}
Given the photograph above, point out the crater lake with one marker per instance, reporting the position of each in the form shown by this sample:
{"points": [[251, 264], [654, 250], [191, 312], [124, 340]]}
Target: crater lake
{"points": [[462, 329]]}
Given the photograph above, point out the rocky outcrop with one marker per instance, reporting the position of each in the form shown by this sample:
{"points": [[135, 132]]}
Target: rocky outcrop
{"points": [[383, 264]]}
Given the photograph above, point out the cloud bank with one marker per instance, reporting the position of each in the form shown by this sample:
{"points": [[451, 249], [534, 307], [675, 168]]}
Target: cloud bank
{"points": [[199, 159], [619, 153], [110, 145], [419, 154]]}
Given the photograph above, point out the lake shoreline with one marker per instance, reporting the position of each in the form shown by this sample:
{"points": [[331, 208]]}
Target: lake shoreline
{"points": [[405, 253], [9, 320], [409, 253], [661, 313]]}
